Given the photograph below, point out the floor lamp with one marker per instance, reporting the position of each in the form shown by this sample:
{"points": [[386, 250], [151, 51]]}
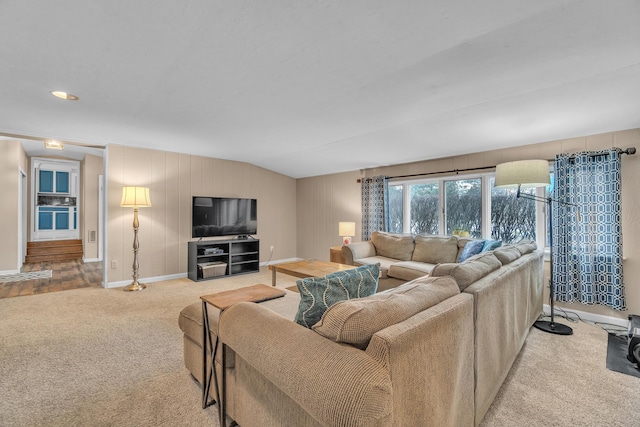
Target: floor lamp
{"points": [[528, 174], [135, 197]]}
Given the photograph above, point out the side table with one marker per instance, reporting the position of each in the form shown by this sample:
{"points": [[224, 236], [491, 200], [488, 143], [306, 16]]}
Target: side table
{"points": [[335, 254], [222, 301]]}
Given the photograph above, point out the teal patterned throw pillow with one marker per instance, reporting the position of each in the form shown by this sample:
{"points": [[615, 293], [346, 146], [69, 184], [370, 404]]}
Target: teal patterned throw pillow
{"points": [[317, 294]]}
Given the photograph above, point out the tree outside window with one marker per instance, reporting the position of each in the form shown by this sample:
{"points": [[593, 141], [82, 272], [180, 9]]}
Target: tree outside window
{"points": [[463, 207], [395, 209], [424, 208], [512, 218]]}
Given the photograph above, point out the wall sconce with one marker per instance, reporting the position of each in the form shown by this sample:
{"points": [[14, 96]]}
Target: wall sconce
{"points": [[346, 230], [135, 197]]}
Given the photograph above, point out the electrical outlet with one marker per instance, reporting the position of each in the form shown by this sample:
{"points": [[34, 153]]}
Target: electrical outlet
{"points": [[114, 264], [272, 248]]}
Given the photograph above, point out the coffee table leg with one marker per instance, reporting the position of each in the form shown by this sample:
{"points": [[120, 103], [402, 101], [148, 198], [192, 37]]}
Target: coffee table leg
{"points": [[273, 277]]}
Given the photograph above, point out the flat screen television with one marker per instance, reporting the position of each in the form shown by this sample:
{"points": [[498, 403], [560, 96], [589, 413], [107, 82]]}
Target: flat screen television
{"points": [[223, 216]]}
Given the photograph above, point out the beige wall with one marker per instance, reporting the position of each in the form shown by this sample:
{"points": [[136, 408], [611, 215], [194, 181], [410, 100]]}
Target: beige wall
{"points": [[323, 200], [165, 228], [91, 168], [12, 159]]}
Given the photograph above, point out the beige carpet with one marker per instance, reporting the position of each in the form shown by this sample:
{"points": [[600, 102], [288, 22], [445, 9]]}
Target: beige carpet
{"points": [[104, 357]]}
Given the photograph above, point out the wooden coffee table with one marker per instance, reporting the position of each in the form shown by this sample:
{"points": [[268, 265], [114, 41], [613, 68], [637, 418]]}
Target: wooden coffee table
{"points": [[307, 268]]}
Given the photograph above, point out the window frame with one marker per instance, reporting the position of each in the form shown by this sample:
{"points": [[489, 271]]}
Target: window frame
{"points": [[485, 185]]}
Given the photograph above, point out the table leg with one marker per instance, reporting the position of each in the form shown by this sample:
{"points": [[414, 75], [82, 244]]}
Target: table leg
{"points": [[222, 395], [273, 277], [207, 342]]}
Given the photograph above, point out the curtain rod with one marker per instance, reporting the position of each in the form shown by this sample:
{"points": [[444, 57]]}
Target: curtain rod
{"points": [[630, 150]]}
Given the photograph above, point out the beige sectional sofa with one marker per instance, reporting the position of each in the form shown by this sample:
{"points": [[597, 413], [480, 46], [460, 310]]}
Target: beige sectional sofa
{"points": [[404, 257], [430, 352]]}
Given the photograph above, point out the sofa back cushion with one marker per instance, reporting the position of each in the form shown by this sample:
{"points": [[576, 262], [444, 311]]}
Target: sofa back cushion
{"points": [[507, 254], [526, 246], [355, 321], [317, 294], [435, 249], [469, 271], [394, 246]]}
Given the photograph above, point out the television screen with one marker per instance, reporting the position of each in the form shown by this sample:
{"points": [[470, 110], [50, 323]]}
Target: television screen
{"points": [[223, 216]]}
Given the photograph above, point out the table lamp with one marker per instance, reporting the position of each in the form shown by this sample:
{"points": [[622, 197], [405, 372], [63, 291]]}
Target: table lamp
{"points": [[346, 230]]}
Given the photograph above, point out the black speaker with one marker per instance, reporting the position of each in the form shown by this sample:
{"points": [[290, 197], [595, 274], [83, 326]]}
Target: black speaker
{"points": [[633, 339]]}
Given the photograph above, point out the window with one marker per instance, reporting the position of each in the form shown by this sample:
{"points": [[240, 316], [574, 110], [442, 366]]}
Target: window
{"points": [[471, 205], [463, 207], [395, 208], [512, 218], [424, 203]]}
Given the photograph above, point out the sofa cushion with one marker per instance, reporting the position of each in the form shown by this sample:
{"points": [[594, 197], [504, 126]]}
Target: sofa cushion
{"points": [[435, 249], [355, 321], [394, 246], [409, 270], [317, 294], [490, 245], [385, 264], [469, 271], [526, 246], [507, 254], [470, 249]]}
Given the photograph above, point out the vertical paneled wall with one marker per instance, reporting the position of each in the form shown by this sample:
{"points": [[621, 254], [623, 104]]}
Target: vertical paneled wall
{"points": [[174, 179], [12, 159], [323, 201]]}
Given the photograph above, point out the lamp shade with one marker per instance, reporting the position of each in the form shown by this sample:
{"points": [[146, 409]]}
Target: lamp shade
{"points": [[346, 229], [135, 197], [524, 173]]}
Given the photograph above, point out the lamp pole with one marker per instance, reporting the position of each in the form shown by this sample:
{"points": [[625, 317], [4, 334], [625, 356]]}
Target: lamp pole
{"points": [[135, 285], [549, 325]]}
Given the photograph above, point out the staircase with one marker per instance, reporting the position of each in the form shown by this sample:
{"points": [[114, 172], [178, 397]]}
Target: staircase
{"points": [[53, 250]]}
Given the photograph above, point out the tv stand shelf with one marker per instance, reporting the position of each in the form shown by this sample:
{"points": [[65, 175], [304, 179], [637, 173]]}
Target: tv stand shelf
{"points": [[241, 256]]}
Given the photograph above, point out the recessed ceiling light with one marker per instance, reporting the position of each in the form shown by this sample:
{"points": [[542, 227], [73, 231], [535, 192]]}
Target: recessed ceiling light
{"points": [[64, 95], [52, 144]]}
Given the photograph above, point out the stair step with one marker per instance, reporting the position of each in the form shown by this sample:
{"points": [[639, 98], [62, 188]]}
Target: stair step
{"points": [[53, 257], [54, 250], [45, 243]]}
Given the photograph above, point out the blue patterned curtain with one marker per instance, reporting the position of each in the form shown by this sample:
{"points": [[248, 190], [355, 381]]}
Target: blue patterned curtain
{"points": [[587, 230], [375, 205]]}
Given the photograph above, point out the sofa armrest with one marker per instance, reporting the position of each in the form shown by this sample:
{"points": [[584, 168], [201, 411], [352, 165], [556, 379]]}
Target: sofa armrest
{"points": [[358, 250], [334, 383]]}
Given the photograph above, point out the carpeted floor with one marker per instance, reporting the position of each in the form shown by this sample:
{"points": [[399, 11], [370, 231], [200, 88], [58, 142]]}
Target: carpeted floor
{"points": [[104, 357]]}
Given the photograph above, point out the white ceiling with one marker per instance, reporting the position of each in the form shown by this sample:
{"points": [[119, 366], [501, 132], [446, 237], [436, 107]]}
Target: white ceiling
{"points": [[307, 88]]}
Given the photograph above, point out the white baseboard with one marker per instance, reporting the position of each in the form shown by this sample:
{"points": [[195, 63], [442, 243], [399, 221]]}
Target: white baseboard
{"points": [[146, 280], [86, 260], [180, 275], [9, 272], [588, 316]]}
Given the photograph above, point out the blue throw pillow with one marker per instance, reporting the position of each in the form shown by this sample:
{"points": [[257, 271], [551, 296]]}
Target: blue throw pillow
{"points": [[490, 245], [317, 294], [470, 249]]}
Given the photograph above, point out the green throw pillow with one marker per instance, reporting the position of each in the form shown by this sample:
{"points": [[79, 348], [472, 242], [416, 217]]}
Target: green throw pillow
{"points": [[317, 294]]}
